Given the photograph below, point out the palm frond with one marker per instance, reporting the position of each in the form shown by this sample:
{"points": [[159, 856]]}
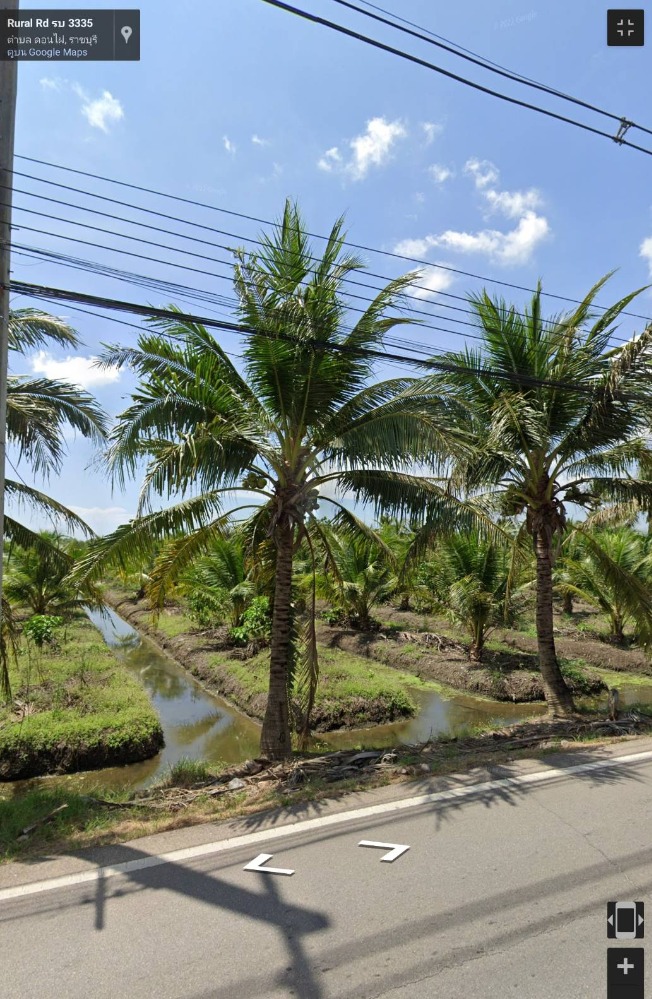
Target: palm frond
{"points": [[31, 328], [42, 503]]}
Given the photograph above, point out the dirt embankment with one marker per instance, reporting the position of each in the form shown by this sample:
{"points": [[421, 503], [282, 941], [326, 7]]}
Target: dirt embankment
{"points": [[23, 759], [503, 676], [195, 651]]}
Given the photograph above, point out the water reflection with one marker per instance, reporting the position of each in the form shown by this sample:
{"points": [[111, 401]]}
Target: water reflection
{"points": [[200, 725]]}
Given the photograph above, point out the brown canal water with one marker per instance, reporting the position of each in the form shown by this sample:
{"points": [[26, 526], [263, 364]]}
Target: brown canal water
{"points": [[201, 726]]}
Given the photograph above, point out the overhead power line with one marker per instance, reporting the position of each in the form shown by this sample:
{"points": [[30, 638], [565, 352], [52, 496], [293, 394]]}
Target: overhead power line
{"points": [[221, 246], [266, 222], [424, 35], [305, 15], [201, 256], [133, 326], [185, 293], [64, 295], [181, 292], [145, 281]]}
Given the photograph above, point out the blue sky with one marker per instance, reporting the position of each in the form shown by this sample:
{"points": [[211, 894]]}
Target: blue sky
{"points": [[240, 105]]}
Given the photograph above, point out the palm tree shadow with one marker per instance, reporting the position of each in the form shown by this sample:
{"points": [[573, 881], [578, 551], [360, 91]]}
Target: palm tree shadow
{"points": [[293, 922], [459, 791], [515, 791]]}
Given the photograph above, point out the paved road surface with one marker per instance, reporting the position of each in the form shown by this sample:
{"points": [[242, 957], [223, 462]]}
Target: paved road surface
{"points": [[502, 893]]}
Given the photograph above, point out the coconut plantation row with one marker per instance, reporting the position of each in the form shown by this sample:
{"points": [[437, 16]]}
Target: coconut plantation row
{"points": [[315, 544]]}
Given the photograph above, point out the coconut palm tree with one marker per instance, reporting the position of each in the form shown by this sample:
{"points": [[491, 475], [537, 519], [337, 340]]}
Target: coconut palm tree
{"points": [[557, 416], [301, 426], [38, 578], [398, 537], [470, 576], [612, 570], [220, 583], [365, 577], [37, 410]]}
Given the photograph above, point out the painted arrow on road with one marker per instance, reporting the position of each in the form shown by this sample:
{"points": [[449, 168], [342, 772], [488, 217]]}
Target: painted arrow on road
{"points": [[395, 849], [257, 865]]}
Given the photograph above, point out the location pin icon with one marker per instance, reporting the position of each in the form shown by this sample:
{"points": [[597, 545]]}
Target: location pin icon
{"points": [[126, 32]]}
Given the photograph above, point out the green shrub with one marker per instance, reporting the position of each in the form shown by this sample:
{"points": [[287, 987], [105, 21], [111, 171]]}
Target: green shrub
{"points": [[334, 616], [206, 607], [256, 623], [41, 628], [574, 671]]}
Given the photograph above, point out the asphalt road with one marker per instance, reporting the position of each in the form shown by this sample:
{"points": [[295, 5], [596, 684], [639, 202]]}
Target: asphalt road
{"points": [[502, 893]]}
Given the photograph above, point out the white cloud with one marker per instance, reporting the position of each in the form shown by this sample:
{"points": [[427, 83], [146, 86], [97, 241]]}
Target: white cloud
{"points": [[431, 282], [373, 148], [52, 83], [439, 173], [101, 111], [431, 131], [420, 198], [370, 149], [257, 141], [645, 251], [228, 145], [513, 204], [78, 370], [515, 246], [330, 160], [413, 247], [482, 171]]}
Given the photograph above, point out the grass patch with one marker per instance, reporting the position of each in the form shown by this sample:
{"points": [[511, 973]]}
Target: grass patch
{"points": [[173, 625], [615, 678], [353, 690], [75, 707], [574, 671], [186, 772]]}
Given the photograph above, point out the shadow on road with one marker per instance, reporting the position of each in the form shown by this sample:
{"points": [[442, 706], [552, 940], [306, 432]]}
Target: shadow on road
{"points": [[302, 975], [268, 906], [509, 791]]}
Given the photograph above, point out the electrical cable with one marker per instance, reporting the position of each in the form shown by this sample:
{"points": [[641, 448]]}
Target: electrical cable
{"points": [[248, 239], [298, 12], [146, 225], [422, 33], [64, 295], [182, 292], [228, 277], [266, 222]]}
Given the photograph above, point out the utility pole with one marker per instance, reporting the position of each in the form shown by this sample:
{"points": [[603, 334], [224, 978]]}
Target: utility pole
{"points": [[8, 89]]}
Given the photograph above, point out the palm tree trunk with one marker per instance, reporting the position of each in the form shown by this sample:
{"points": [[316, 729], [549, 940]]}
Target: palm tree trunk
{"points": [[567, 603], [477, 645], [275, 738], [558, 696], [617, 633]]}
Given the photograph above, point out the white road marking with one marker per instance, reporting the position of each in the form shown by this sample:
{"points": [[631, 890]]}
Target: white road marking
{"points": [[395, 849], [264, 835], [257, 864]]}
